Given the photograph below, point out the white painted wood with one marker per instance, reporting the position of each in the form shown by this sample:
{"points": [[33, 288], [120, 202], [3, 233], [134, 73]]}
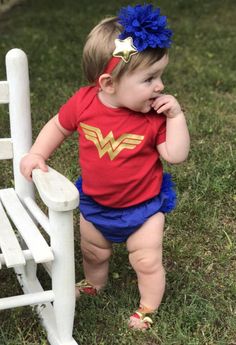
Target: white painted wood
{"points": [[45, 311], [60, 195], [8, 242], [27, 255], [6, 149], [29, 299], [56, 191], [38, 214], [20, 115], [36, 243], [4, 92], [62, 242], [48, 268]]}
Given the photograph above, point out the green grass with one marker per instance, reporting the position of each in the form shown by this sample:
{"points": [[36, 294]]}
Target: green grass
{"points": [[199, 306]]}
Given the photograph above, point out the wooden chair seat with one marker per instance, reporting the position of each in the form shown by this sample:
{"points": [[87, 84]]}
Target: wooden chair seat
{"points": [[11, 249]]}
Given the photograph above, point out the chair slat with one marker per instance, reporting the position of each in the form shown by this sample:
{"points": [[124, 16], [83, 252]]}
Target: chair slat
{"points": [[6, 148], [28, 299], [4, 92], [36, 243], [8, 242]]}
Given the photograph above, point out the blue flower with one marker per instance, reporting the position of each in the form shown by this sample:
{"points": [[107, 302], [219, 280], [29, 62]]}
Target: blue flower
{"points": [[146, 26]]}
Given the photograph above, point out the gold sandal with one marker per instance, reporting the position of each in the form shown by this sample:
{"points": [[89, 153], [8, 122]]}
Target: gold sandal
{"points": [[85, 287], [143, 321]]}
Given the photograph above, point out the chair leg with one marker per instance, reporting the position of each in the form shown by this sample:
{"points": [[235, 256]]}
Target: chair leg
{"points": [[26, 276], [63, 274], [28, 273]]}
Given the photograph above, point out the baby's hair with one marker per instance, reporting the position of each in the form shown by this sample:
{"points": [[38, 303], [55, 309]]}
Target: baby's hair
{"points": [[100, 45]]}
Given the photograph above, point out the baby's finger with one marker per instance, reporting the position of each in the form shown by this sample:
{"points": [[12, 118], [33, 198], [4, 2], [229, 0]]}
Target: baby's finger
{"points": [[27, 174], [162, 99], [159, 105], [163, 108], [43, 166]]}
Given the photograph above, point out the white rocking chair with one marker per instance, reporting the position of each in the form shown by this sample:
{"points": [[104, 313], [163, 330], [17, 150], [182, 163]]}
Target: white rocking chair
{"points": [[22, 244]]}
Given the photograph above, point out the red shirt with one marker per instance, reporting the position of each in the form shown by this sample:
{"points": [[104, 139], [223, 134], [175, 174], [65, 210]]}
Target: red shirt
{"points": [[118, 154]]}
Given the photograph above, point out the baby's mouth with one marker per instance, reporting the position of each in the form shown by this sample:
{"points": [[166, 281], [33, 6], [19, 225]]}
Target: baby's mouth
{"points": [[151, 100]]}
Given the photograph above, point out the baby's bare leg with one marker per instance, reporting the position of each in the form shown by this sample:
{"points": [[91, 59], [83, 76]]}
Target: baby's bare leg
{"points": [[145, 255], [96, 251]]}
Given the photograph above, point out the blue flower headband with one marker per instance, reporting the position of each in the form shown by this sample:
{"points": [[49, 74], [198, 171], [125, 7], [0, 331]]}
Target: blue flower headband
{"points": [[144, 28]]}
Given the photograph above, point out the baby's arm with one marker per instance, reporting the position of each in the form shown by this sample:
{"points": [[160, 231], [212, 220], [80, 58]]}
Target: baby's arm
{"points": [[176, 147], [49, 138]]}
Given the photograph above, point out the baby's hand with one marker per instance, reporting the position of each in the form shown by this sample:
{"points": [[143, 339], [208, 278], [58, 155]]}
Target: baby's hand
{"points": [[168, 105], [31, 161]]}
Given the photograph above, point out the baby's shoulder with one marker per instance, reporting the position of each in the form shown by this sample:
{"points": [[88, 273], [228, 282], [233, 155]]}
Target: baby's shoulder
{"points": [[86, 91]]}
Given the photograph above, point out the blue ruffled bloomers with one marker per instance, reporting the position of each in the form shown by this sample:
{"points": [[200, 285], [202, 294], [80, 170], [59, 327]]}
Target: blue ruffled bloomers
{"points": [[117, 224]]}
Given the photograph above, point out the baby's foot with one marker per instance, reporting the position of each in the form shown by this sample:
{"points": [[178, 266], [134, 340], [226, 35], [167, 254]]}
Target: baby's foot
{"points": [[140, 320], [85, 287]]}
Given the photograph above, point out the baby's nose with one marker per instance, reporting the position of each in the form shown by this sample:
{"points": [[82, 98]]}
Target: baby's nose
{"points": [[159, 86]]}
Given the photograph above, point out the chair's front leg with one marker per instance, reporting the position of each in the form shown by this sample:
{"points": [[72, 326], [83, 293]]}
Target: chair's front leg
{"points": [[63, 272]]}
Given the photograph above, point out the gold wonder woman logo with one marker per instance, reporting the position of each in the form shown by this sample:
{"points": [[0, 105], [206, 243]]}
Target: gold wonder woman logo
{"points": [[109, 144]]}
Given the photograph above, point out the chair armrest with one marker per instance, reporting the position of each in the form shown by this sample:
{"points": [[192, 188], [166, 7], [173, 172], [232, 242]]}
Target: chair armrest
{"points": [[56, 191]]}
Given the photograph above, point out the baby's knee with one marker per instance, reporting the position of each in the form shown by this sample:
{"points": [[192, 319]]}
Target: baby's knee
{"points": [[96, 255], [146, 262]]}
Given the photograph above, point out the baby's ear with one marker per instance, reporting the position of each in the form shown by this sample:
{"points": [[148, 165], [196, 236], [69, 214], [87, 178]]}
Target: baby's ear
{"points": [[106, 83]]}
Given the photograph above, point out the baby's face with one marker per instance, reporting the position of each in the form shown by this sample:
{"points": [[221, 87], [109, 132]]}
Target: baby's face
{"points": [[137, 90]]}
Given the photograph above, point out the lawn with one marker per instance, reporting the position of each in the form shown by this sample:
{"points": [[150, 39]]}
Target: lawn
{"points": [[199, 306]]}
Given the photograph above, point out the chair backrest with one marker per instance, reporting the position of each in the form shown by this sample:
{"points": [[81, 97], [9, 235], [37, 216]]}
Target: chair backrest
{"points": [[15, 91]]}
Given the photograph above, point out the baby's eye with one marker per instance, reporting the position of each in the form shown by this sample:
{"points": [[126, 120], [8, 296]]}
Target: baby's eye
{"points": [[149, 80]]}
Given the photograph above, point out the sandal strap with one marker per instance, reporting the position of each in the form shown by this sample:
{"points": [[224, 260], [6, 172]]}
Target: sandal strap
{"points": [[86, 287], [143, 318], [83, 283]]}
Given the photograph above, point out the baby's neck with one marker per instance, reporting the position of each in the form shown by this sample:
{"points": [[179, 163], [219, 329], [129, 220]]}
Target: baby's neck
{"points": [[106, 99]]}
